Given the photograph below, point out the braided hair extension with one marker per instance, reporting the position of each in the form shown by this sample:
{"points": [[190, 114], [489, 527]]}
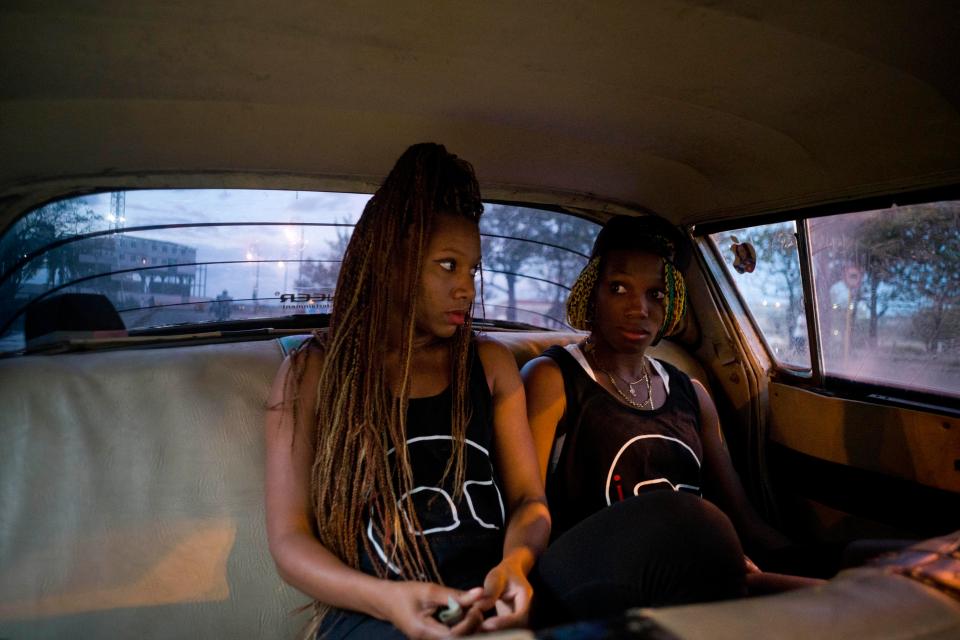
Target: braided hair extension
{"points": [[580, 301], [675, 301], [359, 423]]}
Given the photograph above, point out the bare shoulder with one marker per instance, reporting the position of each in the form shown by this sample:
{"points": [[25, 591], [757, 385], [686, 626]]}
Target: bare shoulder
{"points": [[311, 353], [703, 397], [499, 365], [298, 372], [542, 370], [494, 353]]}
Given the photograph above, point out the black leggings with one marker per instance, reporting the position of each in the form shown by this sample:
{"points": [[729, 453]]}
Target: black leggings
{"points": [[356, 626], [659, 548]]}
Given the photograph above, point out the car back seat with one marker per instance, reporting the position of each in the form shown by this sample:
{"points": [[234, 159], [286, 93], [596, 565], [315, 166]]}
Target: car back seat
{"points": [[131, 490]]}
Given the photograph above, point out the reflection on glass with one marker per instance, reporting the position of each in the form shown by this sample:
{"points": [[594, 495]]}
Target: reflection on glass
{"points": [[772, 290], [888, 288]]}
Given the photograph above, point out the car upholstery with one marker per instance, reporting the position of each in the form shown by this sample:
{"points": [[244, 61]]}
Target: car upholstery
{"points": [[134, 485]]}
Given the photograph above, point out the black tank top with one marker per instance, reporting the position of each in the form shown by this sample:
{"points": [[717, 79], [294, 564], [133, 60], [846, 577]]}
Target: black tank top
{"points": [[466, 536], [609, 451]]}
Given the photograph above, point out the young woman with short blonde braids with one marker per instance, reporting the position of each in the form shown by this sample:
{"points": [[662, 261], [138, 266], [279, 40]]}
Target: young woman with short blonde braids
{"points": [[628, 446], [400, 469]]}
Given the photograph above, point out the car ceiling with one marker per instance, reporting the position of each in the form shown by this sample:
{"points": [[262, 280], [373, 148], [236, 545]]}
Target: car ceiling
{"points": [[698, 110]]}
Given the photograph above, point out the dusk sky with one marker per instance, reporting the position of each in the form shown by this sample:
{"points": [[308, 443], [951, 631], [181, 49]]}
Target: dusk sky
{"points": [[276, 244]]}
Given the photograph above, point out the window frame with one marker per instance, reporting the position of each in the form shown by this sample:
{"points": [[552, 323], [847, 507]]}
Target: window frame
{"points": [[721, 270], [815, 378]]}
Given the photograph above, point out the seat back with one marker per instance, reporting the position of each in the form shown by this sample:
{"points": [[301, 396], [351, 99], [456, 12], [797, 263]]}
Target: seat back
{"points": [[131, 492]]}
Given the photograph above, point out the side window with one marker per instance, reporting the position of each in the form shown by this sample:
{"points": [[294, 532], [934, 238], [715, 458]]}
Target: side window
{"points": [[888, 289], [764, 265]]}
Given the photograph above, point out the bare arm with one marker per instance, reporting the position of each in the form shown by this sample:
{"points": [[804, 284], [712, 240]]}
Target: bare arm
{"points": [[723, 479], [546, 403], [301, 559], [528, 527]]}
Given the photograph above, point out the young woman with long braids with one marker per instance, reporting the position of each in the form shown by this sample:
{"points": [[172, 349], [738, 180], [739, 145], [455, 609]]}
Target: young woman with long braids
{"points": [[628, 445], [400, 468]]}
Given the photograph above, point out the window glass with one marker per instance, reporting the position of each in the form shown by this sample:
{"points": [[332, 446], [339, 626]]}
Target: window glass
{"points": [[764, 265], [177, 256], [888, 290], [190, 257], [531, 258]]}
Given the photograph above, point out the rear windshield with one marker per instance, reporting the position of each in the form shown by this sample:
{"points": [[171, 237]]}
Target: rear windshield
{"points": [[190, 258]]}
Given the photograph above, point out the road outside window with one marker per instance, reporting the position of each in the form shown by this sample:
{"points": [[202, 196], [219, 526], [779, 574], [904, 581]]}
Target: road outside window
{"points": [[193, 257]]}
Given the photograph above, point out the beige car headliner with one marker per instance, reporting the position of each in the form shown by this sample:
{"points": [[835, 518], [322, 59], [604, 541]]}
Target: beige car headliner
{"points": [[698, 110]]}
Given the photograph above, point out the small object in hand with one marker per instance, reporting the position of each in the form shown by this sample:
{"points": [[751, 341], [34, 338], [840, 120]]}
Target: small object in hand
{"points": [[450, 614]]}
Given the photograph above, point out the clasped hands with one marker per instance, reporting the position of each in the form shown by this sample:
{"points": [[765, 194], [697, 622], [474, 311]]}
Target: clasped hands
{"points": [[412, 606]]}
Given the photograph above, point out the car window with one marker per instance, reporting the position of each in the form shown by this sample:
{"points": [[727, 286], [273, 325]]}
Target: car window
{"points": [[887, 290], [194, 257], [764, 264], [531, 258]]}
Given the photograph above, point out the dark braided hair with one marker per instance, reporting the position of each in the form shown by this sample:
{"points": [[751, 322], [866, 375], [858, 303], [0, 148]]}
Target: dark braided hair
{"points": [[359, 422]]}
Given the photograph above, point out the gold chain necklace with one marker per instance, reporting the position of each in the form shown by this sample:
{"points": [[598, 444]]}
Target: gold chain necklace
{"points": [[648, 403]]}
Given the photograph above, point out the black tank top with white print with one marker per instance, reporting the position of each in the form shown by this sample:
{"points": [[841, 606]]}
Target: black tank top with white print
{"points": [[465, 535], [605, 451]]}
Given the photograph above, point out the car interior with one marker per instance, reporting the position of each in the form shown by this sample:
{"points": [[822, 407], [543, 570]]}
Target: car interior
{"points": [[810, 151]]}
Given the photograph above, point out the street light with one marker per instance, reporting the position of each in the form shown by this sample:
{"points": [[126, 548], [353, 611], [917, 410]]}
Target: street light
{"points": [[296, 245], [254, 254], [301, 246]]}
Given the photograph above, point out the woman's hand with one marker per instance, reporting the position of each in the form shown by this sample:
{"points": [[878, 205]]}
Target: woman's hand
{"points": [[410, 607], [507, 590]]}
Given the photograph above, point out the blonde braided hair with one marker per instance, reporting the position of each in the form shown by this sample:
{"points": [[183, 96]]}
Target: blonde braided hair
{"points": [[358, 422], [580, 302]]}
